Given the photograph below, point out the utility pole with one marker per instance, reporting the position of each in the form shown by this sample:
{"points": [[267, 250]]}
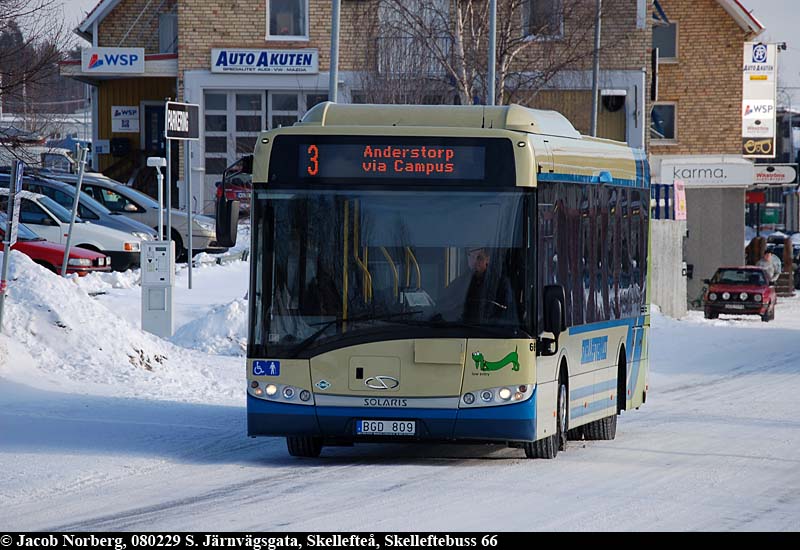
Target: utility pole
{"points": [[490, 94], [333, 84], [596, 66]]}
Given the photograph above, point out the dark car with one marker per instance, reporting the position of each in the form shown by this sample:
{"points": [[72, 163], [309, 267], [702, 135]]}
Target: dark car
{"points": [[51, 255], [740, 291], [88, 209]]}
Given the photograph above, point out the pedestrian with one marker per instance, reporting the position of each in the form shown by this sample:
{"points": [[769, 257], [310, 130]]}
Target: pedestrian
{"points": [[771, 265]]}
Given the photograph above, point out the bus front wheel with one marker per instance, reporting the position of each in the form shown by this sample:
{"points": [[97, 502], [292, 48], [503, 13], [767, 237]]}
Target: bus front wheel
{"points": [[549, 446], [304, 446]]}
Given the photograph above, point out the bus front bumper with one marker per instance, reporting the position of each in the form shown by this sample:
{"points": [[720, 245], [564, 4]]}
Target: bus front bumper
{"points": [[515, 422]]}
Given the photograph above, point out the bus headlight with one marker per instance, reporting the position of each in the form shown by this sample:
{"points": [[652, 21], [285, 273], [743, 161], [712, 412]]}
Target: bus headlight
{"points": [[305, 395], [288, 392], [271, 389], [492, 397]]}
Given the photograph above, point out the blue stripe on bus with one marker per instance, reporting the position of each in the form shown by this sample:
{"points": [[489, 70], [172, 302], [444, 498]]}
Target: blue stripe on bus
{"points": [[602, 325], [592, 389], [575, 178], [593, 407]]}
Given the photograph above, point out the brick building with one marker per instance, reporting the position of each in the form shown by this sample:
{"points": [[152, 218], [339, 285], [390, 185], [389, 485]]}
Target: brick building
{"points": [[214, 52], [695, 125]]}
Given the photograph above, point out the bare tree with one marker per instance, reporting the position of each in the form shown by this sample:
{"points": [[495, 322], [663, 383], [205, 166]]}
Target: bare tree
{"points": [[443, 44], [33, 39]]}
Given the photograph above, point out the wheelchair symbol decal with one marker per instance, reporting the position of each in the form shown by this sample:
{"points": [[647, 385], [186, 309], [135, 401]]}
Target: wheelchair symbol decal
{"points": [[266, 368]]}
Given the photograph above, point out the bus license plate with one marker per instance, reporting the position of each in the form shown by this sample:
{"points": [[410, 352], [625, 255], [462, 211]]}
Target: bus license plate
{"points": [[386, 427]]}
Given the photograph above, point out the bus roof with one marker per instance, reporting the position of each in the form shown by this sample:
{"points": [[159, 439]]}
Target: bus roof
{"points": [[508, 117]]}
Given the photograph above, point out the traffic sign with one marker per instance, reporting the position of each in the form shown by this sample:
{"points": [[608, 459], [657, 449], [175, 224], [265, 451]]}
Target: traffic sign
{"points": [[182, 121]]}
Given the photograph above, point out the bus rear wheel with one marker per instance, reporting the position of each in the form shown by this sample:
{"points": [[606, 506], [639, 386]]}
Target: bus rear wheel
{"points": [[604, 429], [304, 446]]}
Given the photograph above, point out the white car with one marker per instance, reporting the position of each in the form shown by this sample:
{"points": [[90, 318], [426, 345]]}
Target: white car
{"points": [[50, 220], [143, 208]]}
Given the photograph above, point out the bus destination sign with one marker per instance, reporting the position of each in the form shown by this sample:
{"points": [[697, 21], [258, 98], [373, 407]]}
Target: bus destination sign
{"points": [[411, 161]]}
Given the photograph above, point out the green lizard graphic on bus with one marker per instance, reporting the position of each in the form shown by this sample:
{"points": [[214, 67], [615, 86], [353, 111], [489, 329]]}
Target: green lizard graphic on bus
{"points": [[484, 365]]}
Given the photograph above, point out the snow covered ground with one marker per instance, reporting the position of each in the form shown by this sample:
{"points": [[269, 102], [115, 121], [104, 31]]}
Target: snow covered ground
{"points": [[105, 427]]}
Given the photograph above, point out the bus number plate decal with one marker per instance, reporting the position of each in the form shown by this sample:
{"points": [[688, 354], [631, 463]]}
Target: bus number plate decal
{"points": [[386, 427]]}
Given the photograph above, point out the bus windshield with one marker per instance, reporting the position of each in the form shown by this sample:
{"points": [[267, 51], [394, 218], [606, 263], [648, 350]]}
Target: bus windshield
{"points": [[336, 268]]}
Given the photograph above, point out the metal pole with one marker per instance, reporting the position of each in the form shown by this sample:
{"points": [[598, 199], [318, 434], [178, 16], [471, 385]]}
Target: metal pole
{"points": [[334, 69], [168, 236], [81, 170], [596, 66], [16, 167], [161, 199], [490, 93], [188, 179]]}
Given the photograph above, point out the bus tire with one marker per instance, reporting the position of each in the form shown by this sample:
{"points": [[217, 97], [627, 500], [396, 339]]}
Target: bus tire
{"points": [[548, 447], [604, 429], [304, 446]]}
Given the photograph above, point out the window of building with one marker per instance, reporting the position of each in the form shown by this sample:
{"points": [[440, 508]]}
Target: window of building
{"points": [[168, 32], [663, 122], [543, 18], [665, 38], [287, 19]]}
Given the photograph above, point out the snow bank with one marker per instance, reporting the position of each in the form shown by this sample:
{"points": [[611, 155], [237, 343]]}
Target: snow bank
{"points": [[223, 331], [77, 344]]}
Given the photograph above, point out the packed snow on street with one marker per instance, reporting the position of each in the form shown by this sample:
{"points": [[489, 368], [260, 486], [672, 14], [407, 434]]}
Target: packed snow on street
{"points": [[106, 427]]}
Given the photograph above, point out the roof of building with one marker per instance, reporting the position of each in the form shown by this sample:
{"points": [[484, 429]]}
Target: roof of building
{"points": [[97, 14], [744, 18]]}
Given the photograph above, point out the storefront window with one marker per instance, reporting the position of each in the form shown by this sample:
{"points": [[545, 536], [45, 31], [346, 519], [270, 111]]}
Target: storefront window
{"points": [[287, 18]]}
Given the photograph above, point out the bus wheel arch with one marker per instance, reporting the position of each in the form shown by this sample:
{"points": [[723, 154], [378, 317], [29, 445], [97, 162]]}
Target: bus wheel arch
{"points": [[622, 380]]}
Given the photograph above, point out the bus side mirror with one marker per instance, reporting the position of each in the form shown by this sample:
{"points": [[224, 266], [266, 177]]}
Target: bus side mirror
{"points": [[227, 221], [554, 319]]}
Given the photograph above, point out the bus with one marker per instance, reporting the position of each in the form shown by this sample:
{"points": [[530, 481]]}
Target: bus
{"points": [[445, 274]]}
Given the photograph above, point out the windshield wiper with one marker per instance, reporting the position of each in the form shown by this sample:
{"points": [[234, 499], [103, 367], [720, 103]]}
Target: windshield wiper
{"points": [[339, 321]]}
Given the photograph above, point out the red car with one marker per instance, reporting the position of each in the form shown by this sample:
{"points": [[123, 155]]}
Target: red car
{"points": [[51, 255], [740, 291]]}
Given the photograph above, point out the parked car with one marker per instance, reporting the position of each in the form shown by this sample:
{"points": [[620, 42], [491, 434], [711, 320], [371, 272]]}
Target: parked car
{"points": [[143, 208], [740, 291], [39, 156], [50, 220], [237, 183], [88, 209], [51, 255]]}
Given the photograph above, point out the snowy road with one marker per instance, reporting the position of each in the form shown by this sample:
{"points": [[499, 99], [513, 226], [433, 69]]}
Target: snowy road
{"points": [[714, 448]]}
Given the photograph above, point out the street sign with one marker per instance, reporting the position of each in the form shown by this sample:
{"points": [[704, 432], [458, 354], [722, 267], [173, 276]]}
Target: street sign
{"points": [[775, 174], [182, 121], [759, 77]]}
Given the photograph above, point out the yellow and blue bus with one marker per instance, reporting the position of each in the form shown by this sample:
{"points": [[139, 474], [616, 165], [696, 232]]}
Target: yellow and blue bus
{"points": [[445, 273]]}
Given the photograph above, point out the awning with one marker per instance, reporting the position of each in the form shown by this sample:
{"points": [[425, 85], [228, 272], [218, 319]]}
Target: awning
{"points": [[155, 65]]}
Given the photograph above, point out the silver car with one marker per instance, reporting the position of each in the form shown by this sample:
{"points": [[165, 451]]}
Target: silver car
{"points": [[144, 208]]}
